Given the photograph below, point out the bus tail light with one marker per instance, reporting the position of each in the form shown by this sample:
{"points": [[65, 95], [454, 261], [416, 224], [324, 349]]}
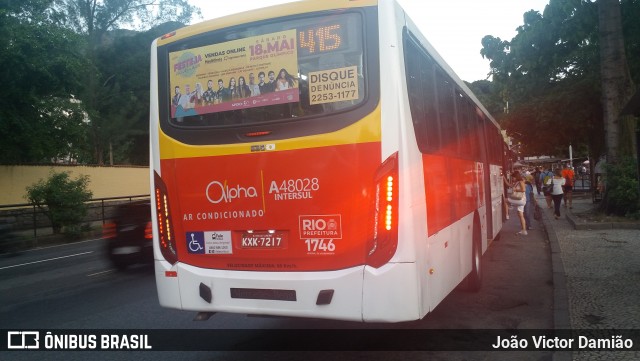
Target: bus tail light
{"points": [[148, 231], [109, 230], [382, 245], [166, 237], [258, 134]]}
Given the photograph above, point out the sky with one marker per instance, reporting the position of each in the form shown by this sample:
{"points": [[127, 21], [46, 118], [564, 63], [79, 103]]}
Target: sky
{"points": [[455, 28]]}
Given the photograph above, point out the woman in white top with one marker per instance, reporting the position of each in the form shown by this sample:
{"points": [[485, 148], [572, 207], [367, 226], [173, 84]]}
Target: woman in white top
{"points": [[556, 193], [520, 187]]}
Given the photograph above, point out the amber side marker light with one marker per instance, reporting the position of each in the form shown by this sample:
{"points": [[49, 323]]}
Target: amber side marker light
{"points": [[167, 36]]}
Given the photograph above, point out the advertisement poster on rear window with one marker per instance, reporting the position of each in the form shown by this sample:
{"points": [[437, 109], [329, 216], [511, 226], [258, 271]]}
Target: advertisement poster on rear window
{"points": [[251, 72]]}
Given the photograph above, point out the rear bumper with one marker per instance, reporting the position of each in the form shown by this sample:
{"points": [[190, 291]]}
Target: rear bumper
{"points": [[390, 293], [183, 292]]}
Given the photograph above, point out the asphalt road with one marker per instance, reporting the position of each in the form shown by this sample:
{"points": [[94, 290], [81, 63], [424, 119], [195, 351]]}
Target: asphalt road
{"points": [[73, 286]]}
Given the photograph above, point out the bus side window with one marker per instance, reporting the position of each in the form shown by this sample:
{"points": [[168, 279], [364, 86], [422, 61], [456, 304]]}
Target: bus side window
{"points": [[463, 133], [419, 69], [446, 112], [416, 100], [467, 128]]}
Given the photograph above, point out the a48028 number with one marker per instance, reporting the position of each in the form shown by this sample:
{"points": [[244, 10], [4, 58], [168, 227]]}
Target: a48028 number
{"points": [[295, 185]]}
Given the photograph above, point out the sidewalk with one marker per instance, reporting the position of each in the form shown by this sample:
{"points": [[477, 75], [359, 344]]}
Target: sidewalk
{"points": [[596, 276]]}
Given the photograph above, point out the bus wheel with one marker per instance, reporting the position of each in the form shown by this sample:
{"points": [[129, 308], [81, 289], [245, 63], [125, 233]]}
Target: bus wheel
{"points": [[473, 281]]}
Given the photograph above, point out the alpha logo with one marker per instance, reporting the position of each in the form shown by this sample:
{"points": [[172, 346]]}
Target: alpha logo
{"points": [[321, 226], [221, 192]]}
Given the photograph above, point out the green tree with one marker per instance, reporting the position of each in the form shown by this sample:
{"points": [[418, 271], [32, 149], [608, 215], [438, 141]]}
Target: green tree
{"points": [[617, 89], [622, 188], [96, 21], [124, 95], [617, 85], [43, 70], [566, 78], [486, 91], [548, 76], [62, 199]]}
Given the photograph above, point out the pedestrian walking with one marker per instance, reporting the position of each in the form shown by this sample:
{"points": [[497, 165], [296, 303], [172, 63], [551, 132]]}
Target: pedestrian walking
{"points": [[569, 177], [557, 182], [529, 206], [544, 178], [536, 179]]}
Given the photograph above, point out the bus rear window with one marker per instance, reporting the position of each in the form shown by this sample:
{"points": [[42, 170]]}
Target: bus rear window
{"points": [[267, 72]]}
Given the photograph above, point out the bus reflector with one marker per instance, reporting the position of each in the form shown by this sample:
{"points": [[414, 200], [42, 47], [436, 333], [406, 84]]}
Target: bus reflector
{"points": [[166, 238], [171, 273], [384, 242]]}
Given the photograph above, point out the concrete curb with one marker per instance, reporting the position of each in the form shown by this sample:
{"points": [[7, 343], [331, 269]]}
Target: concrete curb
{"points": [[561, 319]]}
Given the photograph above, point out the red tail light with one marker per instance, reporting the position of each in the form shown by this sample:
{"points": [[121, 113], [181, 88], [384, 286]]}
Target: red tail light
{"points": [[148, 231], [383, 243], [166, 238], [109, 230], [258, 134]]}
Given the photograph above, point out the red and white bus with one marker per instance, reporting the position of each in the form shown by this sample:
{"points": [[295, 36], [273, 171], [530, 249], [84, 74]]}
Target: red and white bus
{"points": [[364, 183]]}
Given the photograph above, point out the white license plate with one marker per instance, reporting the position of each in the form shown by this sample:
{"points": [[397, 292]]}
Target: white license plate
{"points": [[264, 240]]}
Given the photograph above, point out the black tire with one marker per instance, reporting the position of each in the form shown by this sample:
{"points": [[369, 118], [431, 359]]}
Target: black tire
{"points": [[119, 263]]}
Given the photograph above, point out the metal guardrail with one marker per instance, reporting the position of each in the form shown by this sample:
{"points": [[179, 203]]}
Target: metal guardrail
{"points": [[582, 183], [28, 217]]}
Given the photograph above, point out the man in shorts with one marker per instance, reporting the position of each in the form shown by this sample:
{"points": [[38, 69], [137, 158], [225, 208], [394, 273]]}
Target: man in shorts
{"points": [[569, 177]]}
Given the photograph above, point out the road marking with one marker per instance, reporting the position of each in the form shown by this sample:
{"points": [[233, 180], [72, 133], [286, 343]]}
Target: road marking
{"points": [[100, 273], [45, 260], [61, 245]]}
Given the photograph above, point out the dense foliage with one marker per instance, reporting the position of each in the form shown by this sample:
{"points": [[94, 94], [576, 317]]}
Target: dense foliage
{"points": [[63, 200], [622, 185], [549, 75], [43, 69], [75, 85]]}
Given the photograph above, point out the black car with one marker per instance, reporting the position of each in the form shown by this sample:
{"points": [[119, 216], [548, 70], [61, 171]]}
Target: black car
{"points": [[129, 235], [9, 242]]}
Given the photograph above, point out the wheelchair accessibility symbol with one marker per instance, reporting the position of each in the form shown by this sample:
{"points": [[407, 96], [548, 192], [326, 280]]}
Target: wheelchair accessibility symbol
{"points": [[195, 242]]}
